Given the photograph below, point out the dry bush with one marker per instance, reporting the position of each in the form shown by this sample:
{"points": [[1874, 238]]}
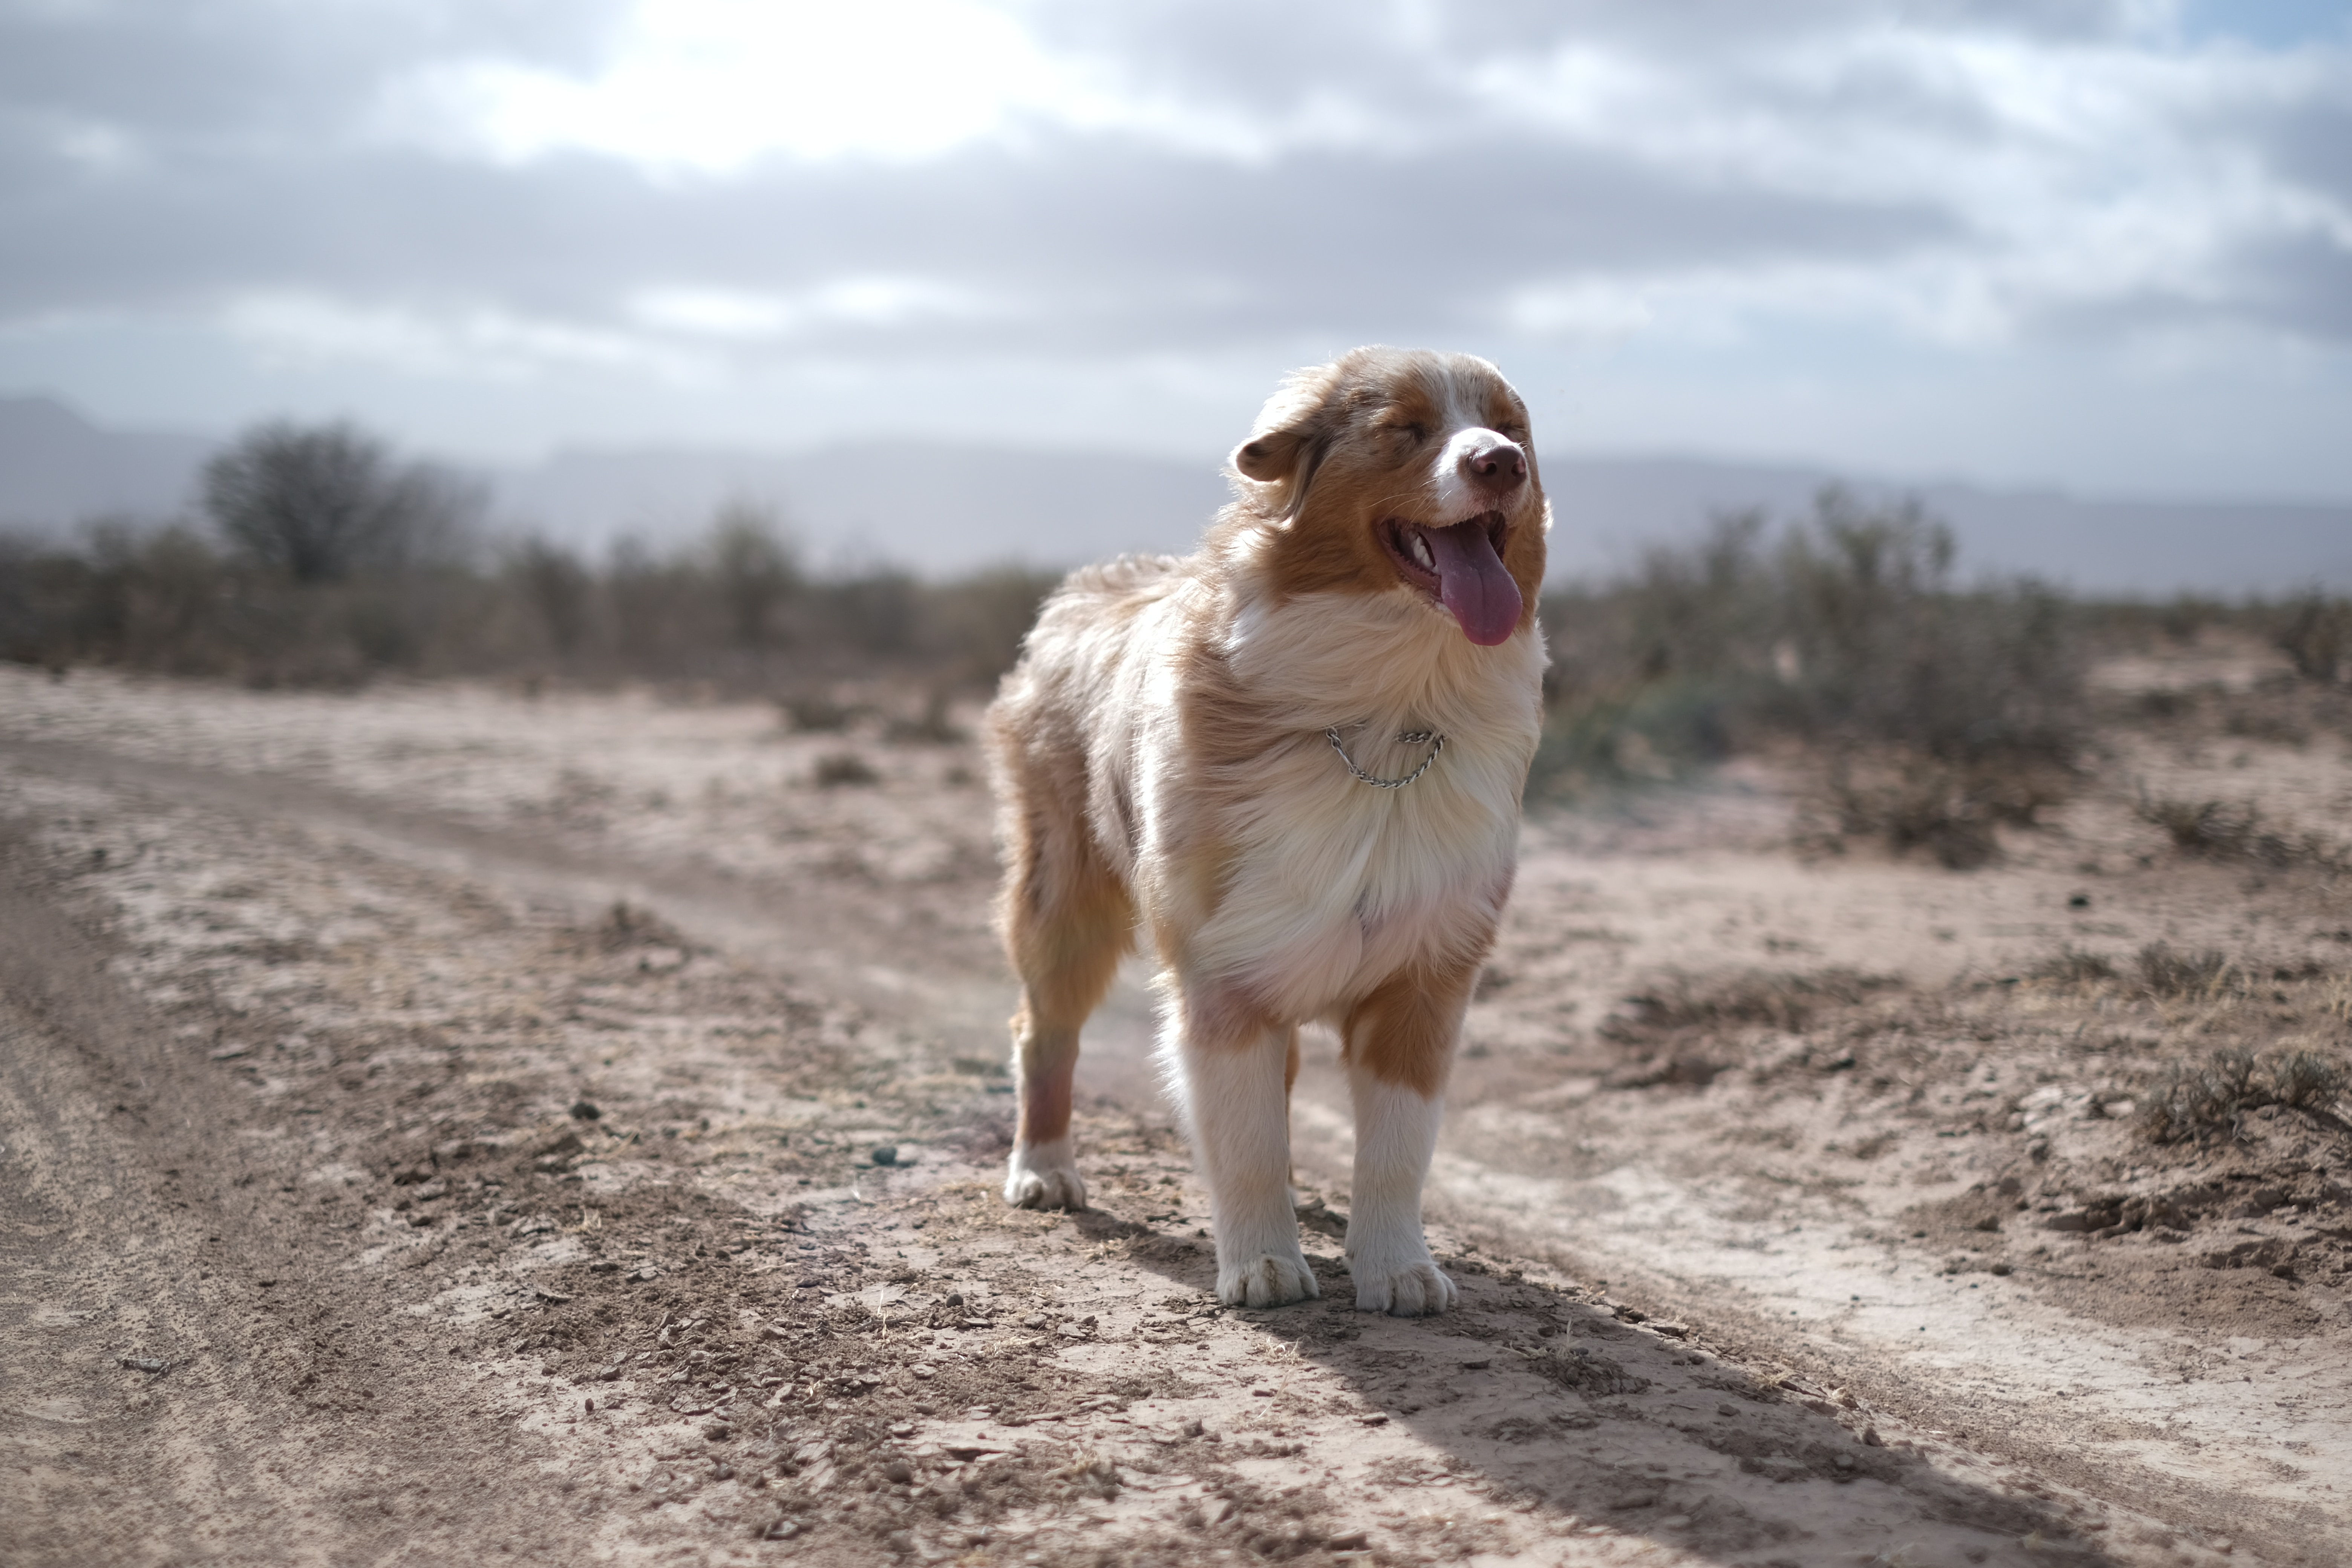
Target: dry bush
{"points": [[2221, 830], [839, 770], [2315, 633], [1938, 712], [931, 727], [2210, 1099], [817, 712], [626, 925]]}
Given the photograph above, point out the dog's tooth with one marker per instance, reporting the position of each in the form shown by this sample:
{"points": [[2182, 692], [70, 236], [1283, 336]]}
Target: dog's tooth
{"points": [[1421, 552]]}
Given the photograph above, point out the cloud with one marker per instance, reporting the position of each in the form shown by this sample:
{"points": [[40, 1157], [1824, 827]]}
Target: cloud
{"points": [[694, 190]]}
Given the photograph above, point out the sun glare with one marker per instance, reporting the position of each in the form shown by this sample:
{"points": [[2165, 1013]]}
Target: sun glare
{"points": [[711, 85]]}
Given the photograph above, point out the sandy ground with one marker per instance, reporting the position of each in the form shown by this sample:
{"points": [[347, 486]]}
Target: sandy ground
{"points": [[377, 1190]]}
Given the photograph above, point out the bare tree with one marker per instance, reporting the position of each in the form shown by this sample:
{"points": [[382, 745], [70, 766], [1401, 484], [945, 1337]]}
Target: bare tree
{"points": [[322, 503]]}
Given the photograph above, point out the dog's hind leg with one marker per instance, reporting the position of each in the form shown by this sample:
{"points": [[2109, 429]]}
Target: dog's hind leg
{"points": [[1232, 1069], [1068, 921], [1399, 1044]]}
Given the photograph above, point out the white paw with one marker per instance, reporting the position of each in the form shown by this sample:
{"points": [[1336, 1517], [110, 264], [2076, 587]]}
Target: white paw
{"points": [[1415, 1288], [1045, 1177], [1267, 1279]]}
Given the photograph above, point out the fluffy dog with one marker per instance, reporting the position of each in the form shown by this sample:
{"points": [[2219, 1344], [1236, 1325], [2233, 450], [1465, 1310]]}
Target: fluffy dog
{"points": [[1293, 760]]}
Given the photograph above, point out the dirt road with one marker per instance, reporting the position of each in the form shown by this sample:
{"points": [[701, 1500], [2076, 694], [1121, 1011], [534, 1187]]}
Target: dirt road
{"points": [[451, 1121]]}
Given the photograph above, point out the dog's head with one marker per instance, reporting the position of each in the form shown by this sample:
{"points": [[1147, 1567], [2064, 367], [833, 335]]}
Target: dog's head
{"points": [[1394, 470]]}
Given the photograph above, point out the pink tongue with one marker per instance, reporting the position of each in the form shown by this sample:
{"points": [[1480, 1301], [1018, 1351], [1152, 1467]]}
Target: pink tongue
{"points": [[1473, 584]]}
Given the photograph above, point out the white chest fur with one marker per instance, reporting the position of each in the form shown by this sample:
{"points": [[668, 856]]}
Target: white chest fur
{"points": [[1330, 885]]}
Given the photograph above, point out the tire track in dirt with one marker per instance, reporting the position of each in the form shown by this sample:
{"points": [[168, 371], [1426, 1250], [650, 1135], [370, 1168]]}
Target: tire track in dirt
{"points": [[136, 1230]]}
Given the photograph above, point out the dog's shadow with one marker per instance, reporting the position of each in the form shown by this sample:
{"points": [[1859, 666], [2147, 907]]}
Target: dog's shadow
{"points": [[1549, 1411]]}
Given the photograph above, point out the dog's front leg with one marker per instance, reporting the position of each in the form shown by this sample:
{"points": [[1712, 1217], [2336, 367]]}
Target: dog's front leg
{"points": [[1044, 1172], [1232, 1080], [1399, 1045], [1396, 1132]]}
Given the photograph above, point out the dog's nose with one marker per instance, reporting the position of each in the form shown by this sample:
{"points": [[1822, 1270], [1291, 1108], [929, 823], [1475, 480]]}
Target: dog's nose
{"points": [[1494, 464]]}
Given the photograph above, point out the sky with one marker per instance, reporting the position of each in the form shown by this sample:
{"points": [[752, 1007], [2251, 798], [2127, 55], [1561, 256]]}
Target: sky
{"points": [[2099, 244]]}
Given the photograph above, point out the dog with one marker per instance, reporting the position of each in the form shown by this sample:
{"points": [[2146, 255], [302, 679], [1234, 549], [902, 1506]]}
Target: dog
{"points": [[1293, 760]]}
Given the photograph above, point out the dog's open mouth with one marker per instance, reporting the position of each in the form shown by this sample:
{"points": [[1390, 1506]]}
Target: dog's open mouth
{"points": [[1461, 566]]}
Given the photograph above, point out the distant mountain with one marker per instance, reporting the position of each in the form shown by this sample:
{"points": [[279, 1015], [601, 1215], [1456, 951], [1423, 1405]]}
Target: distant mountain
{"points": [[940, 507], [936, 508], [57, 467]]}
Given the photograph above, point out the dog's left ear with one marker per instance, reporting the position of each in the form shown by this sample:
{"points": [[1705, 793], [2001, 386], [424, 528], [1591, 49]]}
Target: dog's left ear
{"points": [[1279, 458]]}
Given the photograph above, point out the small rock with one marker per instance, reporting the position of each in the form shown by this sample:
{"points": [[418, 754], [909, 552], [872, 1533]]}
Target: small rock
{"points": [[586, 1111], [1726, 1410], [2001, 1269], [718, 1432], [782, 1530], [886, 1155], [1843, 1461], [143, 1363], [1675, 1521], [898, 1472], [1871, 1439], [1479, 1365], [955, 1298]]}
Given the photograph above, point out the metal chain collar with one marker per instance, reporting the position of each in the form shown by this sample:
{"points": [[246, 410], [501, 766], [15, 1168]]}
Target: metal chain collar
{"points": [[1429, 738]]}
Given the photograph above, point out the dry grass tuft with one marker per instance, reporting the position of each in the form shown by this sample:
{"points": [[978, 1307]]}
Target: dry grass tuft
{"points": [[2164, 972], [626, 925], [2220, 830], [2071, 966], [1783, 1001]]}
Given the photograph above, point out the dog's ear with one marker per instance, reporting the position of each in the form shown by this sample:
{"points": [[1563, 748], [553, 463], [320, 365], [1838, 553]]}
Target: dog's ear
{"points": [[1279, 458], [1271, 457]]}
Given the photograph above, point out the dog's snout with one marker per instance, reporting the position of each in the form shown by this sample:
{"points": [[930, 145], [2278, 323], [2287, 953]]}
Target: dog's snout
{"points": [[1493, 464]]}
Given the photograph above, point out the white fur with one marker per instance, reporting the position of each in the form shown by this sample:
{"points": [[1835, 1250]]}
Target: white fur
{"points": [[1456, 497], [1240, 1118], [1338, 884], [1044, 1176], [1396, 1132]]}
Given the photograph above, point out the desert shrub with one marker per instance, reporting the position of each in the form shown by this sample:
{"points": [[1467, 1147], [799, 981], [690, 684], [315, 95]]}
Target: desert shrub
{"points": [[1938, 712], [840, 770], [2315, 633], [2210, 1099], [559, 590], [2223, 830]]}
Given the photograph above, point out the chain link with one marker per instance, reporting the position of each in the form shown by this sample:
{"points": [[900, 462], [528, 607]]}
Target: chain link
{"points": [[1429, 738]]}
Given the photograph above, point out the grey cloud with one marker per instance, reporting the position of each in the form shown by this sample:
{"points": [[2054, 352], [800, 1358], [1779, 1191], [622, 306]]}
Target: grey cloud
{"points": [[1113, 247], [259, 175]]}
